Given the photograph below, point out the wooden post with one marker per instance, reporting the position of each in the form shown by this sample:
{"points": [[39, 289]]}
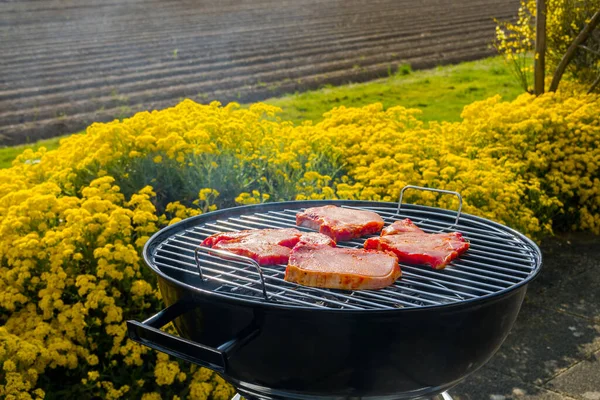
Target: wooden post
{"points": [[540, 47]]}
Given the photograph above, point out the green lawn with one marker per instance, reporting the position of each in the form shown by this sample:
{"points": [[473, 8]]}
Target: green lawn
{"points": [[8, 154], [441, 93]]}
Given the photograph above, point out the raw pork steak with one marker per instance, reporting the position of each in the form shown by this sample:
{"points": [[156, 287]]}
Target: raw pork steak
{"points": [[265, 246], [340, 223], [404, 226], [341, 268], [413, 246]]}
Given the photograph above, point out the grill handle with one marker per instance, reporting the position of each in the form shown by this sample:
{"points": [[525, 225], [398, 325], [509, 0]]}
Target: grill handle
{"points": [[460, 201], [227, 254], [149, 334]]}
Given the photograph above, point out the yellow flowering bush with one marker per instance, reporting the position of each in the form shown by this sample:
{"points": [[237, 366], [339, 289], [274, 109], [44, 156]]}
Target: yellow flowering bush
{"points": [[564, 20], [74, 220]]}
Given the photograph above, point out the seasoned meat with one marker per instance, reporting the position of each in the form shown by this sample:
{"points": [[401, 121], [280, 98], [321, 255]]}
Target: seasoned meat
{"points": [[283, 237], [340, 223], [315, 238], [403, 226], [341, 268], [413, 246], [265, 246]]}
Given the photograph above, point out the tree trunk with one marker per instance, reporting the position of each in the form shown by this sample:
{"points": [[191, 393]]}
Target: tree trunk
{"points": [[540, 48]]}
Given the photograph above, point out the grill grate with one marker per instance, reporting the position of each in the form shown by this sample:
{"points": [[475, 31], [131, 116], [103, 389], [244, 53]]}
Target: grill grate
{"points": [[497, 260]]}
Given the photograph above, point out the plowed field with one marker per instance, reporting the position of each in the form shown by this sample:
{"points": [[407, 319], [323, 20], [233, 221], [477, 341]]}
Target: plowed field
{"points": [[65, 64]]}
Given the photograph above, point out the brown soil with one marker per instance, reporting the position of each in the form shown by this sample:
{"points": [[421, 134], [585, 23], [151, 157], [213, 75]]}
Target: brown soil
{"points": [[67, 64]]}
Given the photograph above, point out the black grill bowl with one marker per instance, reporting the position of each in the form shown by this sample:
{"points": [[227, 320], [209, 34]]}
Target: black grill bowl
{"points": [[271, 349]]}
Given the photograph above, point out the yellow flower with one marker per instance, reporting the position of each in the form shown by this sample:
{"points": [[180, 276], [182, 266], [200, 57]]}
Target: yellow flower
{"points": [[73, 222], [151, 396]]}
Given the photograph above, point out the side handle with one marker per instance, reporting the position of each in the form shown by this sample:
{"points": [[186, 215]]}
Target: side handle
{"points": [[149, 334]]}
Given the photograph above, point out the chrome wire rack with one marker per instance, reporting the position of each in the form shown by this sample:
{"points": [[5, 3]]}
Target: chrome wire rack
{"points": [[498, 259]]}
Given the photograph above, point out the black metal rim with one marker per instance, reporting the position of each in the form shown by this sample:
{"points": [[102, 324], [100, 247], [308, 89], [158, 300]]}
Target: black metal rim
{"points": [[156, 239]]}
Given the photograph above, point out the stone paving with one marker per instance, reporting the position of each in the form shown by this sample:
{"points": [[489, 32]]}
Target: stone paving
{"points": [[553, 351]]}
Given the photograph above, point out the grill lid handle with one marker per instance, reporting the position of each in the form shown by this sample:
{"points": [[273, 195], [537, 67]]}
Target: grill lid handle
{"points": [[230, 255], [433, 190]]}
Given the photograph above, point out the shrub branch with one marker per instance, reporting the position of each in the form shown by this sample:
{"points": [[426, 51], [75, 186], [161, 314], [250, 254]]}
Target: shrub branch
{"points": [[570, 53]]}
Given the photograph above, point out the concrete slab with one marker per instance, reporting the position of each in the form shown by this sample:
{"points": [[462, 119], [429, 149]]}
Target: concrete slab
{"points": [[544, 343], [557, 328], [564, 257], [582, 381], [487, 384], [579, 295]]}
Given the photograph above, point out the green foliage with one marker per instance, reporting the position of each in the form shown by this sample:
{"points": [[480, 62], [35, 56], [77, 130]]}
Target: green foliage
{"points": [[441, 93], [564, 21], [447, 93]]}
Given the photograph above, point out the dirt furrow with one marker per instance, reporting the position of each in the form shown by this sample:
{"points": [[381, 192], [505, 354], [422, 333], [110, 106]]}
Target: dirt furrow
{"points": [[15, 134], [156, 38], [206, 65], [66, 64], [175, 88], [229, 51], [317, 61], [302, 17]]}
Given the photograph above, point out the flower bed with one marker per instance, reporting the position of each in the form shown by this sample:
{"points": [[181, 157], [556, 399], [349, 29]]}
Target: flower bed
{"points": [[73, 221]]}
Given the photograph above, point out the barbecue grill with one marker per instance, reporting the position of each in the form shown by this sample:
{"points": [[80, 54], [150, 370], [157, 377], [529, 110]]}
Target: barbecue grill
{"points": [[273, 339]]}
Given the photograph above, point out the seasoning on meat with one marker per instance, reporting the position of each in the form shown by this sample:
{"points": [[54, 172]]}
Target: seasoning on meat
{"points": [[341, 268], [413, 246], [315, 238], [340, 223], [265, 246], [403, 226]]}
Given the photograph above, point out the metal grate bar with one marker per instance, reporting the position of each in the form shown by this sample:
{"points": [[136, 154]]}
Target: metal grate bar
{"points": [[499, 256], [449, 269], [392, 292], [407, 273], [473, 285], [484, 272], [423, 271], [230, 226], [504, 262], [496, 260], [285, 223], [235, 275], [265, 269], [483, 235], [228, 282], [400, 294], [414, 283], [485, 266], [473, 257], [290, 222], [366, 293]]}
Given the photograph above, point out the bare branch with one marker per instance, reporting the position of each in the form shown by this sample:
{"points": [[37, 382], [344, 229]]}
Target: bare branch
{"points": [[589, 50], [596, 82], [570, 53]]}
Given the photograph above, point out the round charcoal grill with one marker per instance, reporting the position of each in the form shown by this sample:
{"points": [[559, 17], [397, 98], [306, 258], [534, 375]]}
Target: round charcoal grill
{"points": [[273, 339]]}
